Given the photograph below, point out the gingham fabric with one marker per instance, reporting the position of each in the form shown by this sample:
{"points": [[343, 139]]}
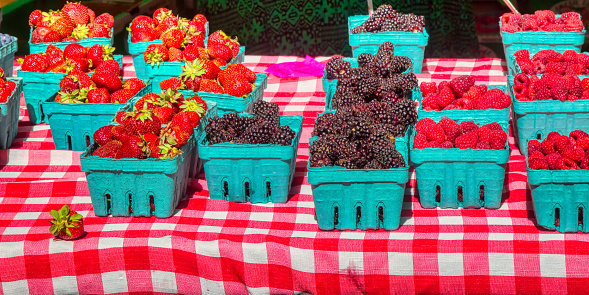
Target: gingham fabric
{"points": [[212, 246]]}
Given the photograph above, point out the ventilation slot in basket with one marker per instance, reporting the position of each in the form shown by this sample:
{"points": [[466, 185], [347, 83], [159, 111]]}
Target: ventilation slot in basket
{"points": [[556, 217], [358, 215], [88, 141], [482, 193], [538, 136], [151, 205], [335, 215], [380, 217], [42, 113], [107, 197], [130, 204], [246, 192], [268, 190], [459, 194], [225, 189], [581, 216], [68, 138], [438, 194]]}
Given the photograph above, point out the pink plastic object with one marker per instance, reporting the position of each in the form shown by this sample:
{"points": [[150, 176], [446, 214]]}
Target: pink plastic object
{"points": [[307, 68]]}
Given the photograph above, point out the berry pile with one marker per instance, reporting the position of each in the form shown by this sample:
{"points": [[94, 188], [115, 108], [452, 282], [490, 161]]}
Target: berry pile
{"points": [[560, 152], [385, 19], [6, 87], [5, 39], [220, 50], [550, 61], [379, 78], [261, 128], [461, 93], [362, 136], [541, 20], [202, 75], [173, 30], [74, 57], [466, 135], [102, 87], [141, 134], [550, 86], [73, 23]]}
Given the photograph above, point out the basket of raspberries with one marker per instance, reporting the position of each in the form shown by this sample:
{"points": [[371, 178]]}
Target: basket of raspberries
{"points": [[85, 103], [381, 77], [8, 46], [10, 90], [541, 30], [42, 72], [460, 163], [251, 157], [549, 102], [569, 62], [460, 97], [358, 165], [140, 165], [406, 31], [165, 28], [234, 88], [162, 61], [558, 179], [74, 23]]}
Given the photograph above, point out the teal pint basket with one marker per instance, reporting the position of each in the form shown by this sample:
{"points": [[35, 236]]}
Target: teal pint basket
{"points": [[9, 115], [38, 87], [137, 187], [366, 199], [73, 124], [560, 198], [535, 119], [196, 163], [7, 57], [166, 70], [88, 42], [229, 103], [137, 49], [407, 44], [538, 40], [495, 115], [259, 173], [442, 174]]}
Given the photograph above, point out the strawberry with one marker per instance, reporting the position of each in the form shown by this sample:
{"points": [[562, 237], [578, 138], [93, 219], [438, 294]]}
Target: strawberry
{"points": [[166, 24], [192, 52], [36, 17], [207, 85], [108, 81], [218, 37], [199, 20], [174, 54], [109, 66], [76, 13], [141, 122], [195, 37], [220, 51], [242, 70], [66, 224], [148, 101], [133, 84], [155, 53], [178, 132], [132, 147], [141, 23], [98, 31], [121, 95], [153, 144], [219, 62], [173, 38], [238, 87], [105, 19], [78, 64], [160, 14], [196, 104], [103, 135], [52, 36], [171, 83], [62, 26], [38, 34], [53, 50], [108, 150], [74, 51], [35, 62], [5, 94], [164, 113], [98, 95]]}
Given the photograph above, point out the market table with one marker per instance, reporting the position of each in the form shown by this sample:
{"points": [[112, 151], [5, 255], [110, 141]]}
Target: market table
{"points": [[213, 246]]}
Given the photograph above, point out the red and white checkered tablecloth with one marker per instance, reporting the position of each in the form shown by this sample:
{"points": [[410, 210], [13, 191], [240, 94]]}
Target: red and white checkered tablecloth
{"points": [[211, 246]]}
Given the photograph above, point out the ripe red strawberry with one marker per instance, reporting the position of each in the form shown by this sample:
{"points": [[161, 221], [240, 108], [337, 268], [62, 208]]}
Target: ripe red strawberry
{"points": [[62, 26], [52, 36], [195, 37], [74, 51], [109, 66], [103, 135], [422, 125], [105, 19], [219, 62], [191, 52], [467, 140], [78, 64], [146, 35], [428, 87], [164, 114], [242, 70], [218, 37], [538, 163], [35, 62], [5, 94], [211, 86], [160, 14], [174, 54], [119, 132], [35, 18], [105, 80], [220, 51], [497, 140], [155, 53], [148, 101], [153, 143], [54, 50], [238, 87], [133, 147], [194, 104], [121, 96], [98, 31], [133, 84], [38, 34], [171, 83], [462, 84], [98, 95], [199, 19], [76, 13], [199, 68], [67, 224], [173, 38], [141, 122], [10, 85]]}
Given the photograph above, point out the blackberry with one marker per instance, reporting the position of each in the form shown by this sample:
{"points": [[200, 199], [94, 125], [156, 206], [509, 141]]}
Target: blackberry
{"points": [[409, 81], [322, 145], [405, 112], [336, 68], [350, 83], [266, 111], [386, 48], [365, 59], [219, 131], [345, 97], [399, 64], [346, 163], [238, 123], [367, 86], [385, 11], [259, 133], [374, 23], [283, 136], [357, 128], [359, 29], [392, 25], [390, 158], [373, 164], [342, 149], [397, 130], [320, 160]]}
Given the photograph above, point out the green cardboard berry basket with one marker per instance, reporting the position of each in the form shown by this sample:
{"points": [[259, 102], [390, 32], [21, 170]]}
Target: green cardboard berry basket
{"points": [[258, 173], [350, 199], [7, 57], [442, 174], [9, 115], [38, 87]]}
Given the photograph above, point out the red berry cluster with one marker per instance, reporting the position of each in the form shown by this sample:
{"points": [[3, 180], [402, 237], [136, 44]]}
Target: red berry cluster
{"points": [[461, 93], [73, 23], [541, 20], [171, 29], [74, 57], [466, 135], [550, 86], [142, 133], [550, 61], [6, 87], [560, 152], [236, 80]]}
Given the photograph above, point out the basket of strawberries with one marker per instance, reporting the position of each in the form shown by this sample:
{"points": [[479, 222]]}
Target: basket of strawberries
{"points": [[74, 23], [10, 90]]}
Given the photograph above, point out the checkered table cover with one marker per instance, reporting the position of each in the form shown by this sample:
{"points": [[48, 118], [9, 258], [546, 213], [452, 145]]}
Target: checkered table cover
{"points": [[212, 246]]}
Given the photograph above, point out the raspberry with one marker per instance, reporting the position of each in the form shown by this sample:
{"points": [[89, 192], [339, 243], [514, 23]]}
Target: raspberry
{"points": [[520, 91], [501, 101], [428, 87], [445, 96], [572, 97], [453, 134], [521, 78], [435, 133], [467, 141], [559, 92], [584, 163], [585, 95], [462, 84], [467, 126], [472, 94], [523, 55], [452, 106], [537, 164], [536, 154], [555, 67], [577, 134], [484, 134], [576, 68], [583, 59], [420, 141], [484, 104], [566, 164], [543, 94], [430, 102], [482, 146], [482, 89], [433, 144], [552, 136], [443, 85], [585, 84], [552, 160], [422, 125], [545, 16], [534, 146], [560, 142], [533, 81], [569, 56], [465, 104], [573, 152], [494, 126], [583, 142], [576, 91], [509, 28], [548, 147], [447, 124], [497, 140], [447, 145]]}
